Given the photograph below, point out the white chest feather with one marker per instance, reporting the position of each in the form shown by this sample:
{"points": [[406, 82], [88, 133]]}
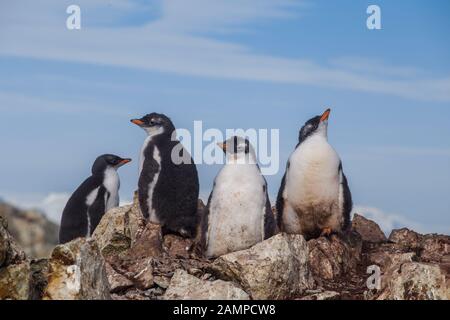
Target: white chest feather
{"points": [[112, 184], [313, 174], [151, 188], [236, 213]]}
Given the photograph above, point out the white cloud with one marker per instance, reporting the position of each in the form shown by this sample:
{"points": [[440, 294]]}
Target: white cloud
{"points": [[51, 205], [171, 42], [410, 151], [223, 16], [18, 102], [388, 221]]}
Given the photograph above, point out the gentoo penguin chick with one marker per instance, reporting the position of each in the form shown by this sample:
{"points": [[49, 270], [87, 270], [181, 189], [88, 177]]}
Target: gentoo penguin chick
{"points": [[93, 198], [168, 181], [239, 214], [314, 198]]}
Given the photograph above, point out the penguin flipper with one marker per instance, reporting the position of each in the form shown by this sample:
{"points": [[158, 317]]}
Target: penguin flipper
{"points": [[205, 224], [280, 203], [269, 219], [347, 204], [97, 209]]}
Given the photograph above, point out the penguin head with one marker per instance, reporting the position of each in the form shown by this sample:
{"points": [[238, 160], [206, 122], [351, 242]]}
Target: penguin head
{"points": [[155, 124], [238, 148], [108, 161], [315, 126]]}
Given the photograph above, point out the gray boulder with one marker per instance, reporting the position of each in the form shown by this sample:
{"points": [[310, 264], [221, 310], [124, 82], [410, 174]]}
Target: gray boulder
{"points": [[184, 286], [276, 268], [77, 272]]}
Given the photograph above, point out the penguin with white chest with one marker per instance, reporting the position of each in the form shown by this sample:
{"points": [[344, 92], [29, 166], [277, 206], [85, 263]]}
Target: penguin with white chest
{"points": [[168, 184], [93, 198], [314, 198], [239, 213]]}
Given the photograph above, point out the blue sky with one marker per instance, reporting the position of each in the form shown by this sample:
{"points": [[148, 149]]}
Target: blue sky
{"points": [[67, 96]]}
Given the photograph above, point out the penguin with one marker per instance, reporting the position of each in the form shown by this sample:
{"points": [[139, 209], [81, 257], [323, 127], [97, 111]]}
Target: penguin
{"points": [[93, 198], [314, 198], [238, 214], [168, 183]]}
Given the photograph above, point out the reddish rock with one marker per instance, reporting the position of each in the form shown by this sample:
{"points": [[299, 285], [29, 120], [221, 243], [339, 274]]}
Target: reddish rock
{"points": [[435, 248], [332, 258], [117, 282], [368, 229], [176, 246], [406, 239], [149, 243]]}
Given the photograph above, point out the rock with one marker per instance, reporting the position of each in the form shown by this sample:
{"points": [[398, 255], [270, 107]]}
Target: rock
{"points": [[77, 272], [10, 252], [183, 286], [15, 282], [368, 229], [117, 282], [148, 244], [129, 259], [135, 295], [417, 281], [332, 258], [177, 246], [119, 229], [39, 278], [31, 229], [390, 261], [406, 239], [435, 248], [325, 295], [4, 242], [16, 277], [276, 268], [430, 247], [144, 278], [162, 282]]}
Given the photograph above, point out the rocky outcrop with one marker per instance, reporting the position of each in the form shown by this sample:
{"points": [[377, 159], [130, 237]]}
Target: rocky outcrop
{"points": [[184, 286], [333, 257], [128, 258], [416, 281], [10, 251], [77, 272], [119, 229], [413, 266], [273, 269], [15, 273], [35, 234], [15, 281], [367, 229]]}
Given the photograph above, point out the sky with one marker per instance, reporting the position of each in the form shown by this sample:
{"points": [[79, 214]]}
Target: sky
{"points": [[66, 96]]}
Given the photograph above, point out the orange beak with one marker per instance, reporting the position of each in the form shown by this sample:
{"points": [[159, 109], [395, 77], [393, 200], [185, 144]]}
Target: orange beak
{"points": [[222, 146], [124, 161], [325, 115], [137, 122]]}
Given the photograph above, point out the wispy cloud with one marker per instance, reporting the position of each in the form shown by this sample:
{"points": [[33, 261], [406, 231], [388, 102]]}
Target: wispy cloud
{"points": [[389, 221], [51, 204], [410, 151], [177, 40], [17, 102]]}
